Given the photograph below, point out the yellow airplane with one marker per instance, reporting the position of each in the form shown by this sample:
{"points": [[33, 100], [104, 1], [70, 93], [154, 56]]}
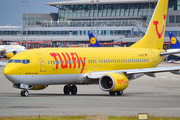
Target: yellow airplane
{"points": [[111, 68]]}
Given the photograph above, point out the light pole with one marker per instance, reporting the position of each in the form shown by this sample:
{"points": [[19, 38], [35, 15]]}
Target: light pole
{"points": [[92, 13], [149, 10], [97, 20], [26, 23]]}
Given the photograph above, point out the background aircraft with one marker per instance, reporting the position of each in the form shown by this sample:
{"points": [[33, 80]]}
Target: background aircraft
{"points": [[93, 41], [174, 44], [7, 51]]}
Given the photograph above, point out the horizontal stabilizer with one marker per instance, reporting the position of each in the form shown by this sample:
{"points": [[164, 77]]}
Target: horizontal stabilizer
{"points": [[170, 53]]}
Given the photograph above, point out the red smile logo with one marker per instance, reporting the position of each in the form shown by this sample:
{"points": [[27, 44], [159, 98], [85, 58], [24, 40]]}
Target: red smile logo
{"points": [[157, 31]]}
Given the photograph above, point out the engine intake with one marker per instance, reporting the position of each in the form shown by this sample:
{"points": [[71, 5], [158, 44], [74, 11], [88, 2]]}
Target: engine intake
{"points": [[113, 82]]}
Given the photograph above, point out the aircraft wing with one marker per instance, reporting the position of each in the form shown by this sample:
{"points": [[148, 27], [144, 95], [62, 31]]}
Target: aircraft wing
{"points": [[3, 64], [170, 52], [148, 71]]}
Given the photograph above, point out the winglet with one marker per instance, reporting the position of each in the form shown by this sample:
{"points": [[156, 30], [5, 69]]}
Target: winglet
{"points": [[174, 41], [93, 41]]}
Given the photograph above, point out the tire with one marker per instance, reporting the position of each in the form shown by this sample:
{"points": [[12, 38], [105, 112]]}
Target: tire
{"points": [[111, 93], [119, 92], [22, 93], [66, 90], [26, 93], [73, 90]]}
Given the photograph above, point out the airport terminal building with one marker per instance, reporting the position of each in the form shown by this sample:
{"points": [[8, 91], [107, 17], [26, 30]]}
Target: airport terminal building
{"points": [[111, 21]]}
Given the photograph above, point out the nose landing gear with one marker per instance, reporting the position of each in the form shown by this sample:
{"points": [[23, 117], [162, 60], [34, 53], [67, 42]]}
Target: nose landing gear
{"points": [[69, 88], [24, 93]]}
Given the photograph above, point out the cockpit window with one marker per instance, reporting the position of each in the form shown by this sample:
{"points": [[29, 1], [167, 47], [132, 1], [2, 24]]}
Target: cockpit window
{"points": [[26, 61], [10, 61], [17, 61]]}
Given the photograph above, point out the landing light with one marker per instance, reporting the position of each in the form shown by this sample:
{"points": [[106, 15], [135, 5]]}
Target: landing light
{"points": [[143, 116]]}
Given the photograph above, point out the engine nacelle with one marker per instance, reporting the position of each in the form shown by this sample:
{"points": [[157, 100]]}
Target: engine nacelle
{"points": [[113, 82], [9, 55]]}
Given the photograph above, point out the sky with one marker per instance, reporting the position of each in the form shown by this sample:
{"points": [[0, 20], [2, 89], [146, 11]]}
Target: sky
{"points": [[11, 10]]}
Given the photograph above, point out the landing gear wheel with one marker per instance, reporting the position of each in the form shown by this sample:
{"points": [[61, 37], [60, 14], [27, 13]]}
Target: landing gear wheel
{"points": [[24, 93], [112, 93], [66, 89], [119, 92], [73, 90]]}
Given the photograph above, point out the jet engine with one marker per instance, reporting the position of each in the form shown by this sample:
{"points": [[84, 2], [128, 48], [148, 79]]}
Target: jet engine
{"points": [[113, 82], [9, 55]]}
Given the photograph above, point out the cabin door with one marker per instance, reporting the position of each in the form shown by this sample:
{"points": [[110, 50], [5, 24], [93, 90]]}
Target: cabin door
{"points": [[42, 62]]}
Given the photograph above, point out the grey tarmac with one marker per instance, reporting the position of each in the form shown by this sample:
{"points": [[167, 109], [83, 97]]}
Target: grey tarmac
{"points": [[156, 96]]}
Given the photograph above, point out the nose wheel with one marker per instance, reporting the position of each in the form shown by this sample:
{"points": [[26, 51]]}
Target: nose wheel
{"points": [[70, 89], [24, 93]]}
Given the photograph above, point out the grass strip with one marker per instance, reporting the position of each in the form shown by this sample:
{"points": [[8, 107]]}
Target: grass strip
{"points": [[81, 117]]}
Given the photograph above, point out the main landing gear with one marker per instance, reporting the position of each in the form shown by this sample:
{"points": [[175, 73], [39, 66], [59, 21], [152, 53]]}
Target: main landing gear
{"points": [[118, 93], [24, 93], [69, 88]]}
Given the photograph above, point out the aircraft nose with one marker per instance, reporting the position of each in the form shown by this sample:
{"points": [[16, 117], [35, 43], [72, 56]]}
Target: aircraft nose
{"points": [[10, 72], [10, 69]]}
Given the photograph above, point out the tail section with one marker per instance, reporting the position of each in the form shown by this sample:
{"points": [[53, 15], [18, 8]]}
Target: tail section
{"points": [[174, 41], [154, 37], [93, 41]]}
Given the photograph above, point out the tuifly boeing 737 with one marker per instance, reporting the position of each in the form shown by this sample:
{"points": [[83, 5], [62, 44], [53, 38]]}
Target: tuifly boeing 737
{"points": [[110, 68]]}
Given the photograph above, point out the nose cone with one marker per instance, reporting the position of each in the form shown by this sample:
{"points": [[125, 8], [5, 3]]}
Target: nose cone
{"points": [[10, 72], [10, 69]]}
